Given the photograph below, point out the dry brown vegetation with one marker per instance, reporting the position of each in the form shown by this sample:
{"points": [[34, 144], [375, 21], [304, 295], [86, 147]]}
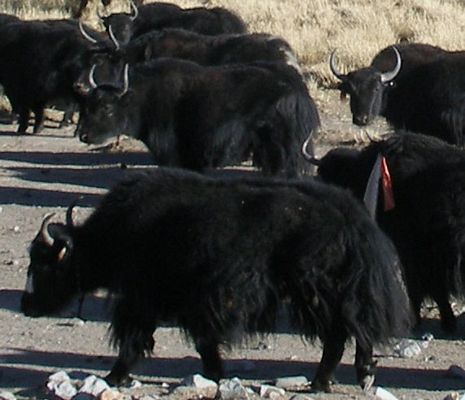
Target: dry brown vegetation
{"points": [[357, 28]]}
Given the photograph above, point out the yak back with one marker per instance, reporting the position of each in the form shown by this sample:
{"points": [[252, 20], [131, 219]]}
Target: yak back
{"points": [[407, 154]]}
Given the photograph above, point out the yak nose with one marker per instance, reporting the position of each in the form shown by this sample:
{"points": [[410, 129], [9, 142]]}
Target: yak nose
{"points": [[360, 120], [81, 88]]}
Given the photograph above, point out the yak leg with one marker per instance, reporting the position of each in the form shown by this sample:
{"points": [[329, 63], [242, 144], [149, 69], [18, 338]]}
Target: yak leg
{"points": [[448, 320], [38, 119], [23, 119], [134, 335], [333, 348], [365, 366], [211, 360]]}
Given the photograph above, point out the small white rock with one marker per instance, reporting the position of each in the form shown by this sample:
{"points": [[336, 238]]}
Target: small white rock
{"points": [[93, 385], [16, 228], [59, 377], [65, 390], [267, 391], [7, 396], [383, 394], [291, 382], [452, 396], [199, 382], [407, 348], [135, 384], [233, 390]]}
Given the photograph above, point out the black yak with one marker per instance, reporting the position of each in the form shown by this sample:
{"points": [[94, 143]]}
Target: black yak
{"points": [[218, 257], [427, 221], [198, 117], [426, 96], [39, 63], [156, 16], [187, 45], [369, 87]]}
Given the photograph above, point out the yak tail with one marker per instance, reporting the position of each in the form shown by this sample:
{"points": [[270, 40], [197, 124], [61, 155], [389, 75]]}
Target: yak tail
{"points": [[300, 119], [375, 307]]}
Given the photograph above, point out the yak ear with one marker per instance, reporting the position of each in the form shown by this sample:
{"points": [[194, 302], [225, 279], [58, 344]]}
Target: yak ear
{"points": [[63, 241]]}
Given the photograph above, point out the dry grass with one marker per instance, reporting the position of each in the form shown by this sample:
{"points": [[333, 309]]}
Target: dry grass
{"points": [[357, 28]]}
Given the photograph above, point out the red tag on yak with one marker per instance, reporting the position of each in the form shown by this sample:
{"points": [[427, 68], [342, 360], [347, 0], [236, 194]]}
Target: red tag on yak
{"points": [[388, 194]]}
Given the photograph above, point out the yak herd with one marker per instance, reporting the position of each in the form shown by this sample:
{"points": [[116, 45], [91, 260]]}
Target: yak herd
{"points": [[221, 257]]}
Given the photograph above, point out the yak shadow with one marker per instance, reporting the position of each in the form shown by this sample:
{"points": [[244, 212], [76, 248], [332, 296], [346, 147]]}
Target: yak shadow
{"points": [[78, 159], [46, 198], [95, 308], [41, 364]]}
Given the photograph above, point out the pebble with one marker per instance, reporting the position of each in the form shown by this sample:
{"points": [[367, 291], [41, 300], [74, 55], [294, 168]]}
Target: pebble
{"points": [[93, 385], [452, 396], [7, 396], [232, 390], [383, 394], [407, 348], [64, 390], [291, 382], [199, 382], [268, 392]]}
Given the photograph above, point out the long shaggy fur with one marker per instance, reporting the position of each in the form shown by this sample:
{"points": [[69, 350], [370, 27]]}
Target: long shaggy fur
{"points": [[427, 223], [218, 258]]}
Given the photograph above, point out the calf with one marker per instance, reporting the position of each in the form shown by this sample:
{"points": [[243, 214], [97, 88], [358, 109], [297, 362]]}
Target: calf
{"points": [[202, 117], [218, 258], [427, 222]]}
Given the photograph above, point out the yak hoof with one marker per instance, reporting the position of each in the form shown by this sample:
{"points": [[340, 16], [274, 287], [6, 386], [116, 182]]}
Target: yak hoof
{"points": [[367, 382], [114, 380], [318, 386]]}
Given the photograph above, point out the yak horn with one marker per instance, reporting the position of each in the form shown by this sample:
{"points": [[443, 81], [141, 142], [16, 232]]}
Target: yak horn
{"points": [[332, 64], [69, 213], [390, 75], [309, 157], [44, 233], [135, 9], [125, 80], [113, 38], [92, 82], [85, 34]]}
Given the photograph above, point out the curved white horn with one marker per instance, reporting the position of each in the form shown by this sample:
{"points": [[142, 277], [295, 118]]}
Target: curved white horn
{"points": [[113, 38], [125, 79], [92, 82], [85, 34], [390, 75], [44, 233], [334, 70], [310, 158], [135, 9]]}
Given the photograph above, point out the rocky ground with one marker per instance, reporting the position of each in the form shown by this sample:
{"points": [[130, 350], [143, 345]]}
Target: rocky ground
{"points": [[44, 173]]}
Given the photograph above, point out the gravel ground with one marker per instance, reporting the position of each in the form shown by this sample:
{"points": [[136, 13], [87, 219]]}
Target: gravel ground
{"points": [[44, 173]]}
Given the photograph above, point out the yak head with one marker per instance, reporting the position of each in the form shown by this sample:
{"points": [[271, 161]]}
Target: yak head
{"points": [[106, 56], [102, 113], [120, 25], [51, 280], [366, 88]]}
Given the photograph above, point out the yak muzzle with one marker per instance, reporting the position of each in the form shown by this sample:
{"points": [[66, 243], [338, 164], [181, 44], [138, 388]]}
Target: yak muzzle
{"points": [[361, 120], [27, 306]]}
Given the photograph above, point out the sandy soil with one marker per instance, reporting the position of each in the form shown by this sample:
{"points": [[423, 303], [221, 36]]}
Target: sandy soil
{"points": [[44, 173]]}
